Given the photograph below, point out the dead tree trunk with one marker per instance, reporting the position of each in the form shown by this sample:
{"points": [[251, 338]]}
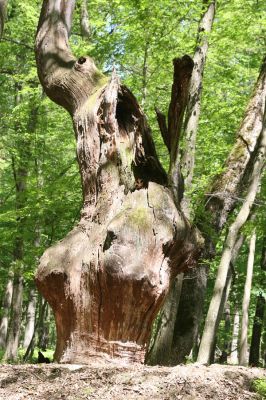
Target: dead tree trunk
{"points": [[106, 280]]}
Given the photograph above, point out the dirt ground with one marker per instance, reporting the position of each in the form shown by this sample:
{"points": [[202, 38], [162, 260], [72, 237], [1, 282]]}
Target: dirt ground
{"points": [[77, 382]]}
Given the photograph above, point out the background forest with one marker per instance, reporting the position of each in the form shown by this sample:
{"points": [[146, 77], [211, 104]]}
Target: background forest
{"points": [[40, 191]]}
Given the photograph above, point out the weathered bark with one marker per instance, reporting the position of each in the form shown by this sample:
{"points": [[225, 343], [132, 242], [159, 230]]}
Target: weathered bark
{"points": [[29, 329], [6, 304], [233, 358], [254, 354], [243, 350], [211, 319], [3, 4], [106, 280]]}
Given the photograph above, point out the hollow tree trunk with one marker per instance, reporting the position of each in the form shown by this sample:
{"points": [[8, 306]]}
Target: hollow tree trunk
{"points": [[5, 309], [211, 321], [254, 355], [107, 278]]}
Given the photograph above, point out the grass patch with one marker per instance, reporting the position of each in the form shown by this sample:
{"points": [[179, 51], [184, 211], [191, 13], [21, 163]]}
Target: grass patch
{"points": [[49, 353]]}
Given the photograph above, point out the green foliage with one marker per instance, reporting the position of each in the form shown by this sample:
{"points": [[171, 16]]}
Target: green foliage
{"points": [[259, 386]]}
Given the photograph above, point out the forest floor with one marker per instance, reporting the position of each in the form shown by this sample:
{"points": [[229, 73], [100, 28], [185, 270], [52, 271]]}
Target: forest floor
{"points": [[78, 382]]}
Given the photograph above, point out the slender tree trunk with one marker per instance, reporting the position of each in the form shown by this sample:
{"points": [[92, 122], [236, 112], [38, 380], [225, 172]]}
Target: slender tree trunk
{"points": [[227, 329], [3, 4], [233, 359], [29, 329], [211, 322], [243, 351], [15, 320], [6, 304], [145, 74], [106, 280], [254, 355]]}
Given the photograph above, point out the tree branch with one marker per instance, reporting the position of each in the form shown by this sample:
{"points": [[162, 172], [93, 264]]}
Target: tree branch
{"points": [[161, 119], [182, 73]]}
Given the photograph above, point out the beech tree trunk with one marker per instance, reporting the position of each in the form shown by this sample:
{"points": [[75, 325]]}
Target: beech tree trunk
{"points": [[30, 322], [6, 304], [243, 351], [13, 336], [211, 321], [233, 358], [106, 280]]}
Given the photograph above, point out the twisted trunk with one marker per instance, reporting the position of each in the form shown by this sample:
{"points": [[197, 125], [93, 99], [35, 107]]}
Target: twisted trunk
{"points": [[107, 278]]}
